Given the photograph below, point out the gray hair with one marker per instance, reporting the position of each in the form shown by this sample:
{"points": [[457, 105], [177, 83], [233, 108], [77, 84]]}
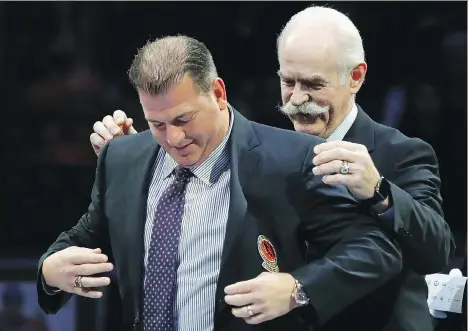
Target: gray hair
{"points": [[164, 62], [348, 39]]}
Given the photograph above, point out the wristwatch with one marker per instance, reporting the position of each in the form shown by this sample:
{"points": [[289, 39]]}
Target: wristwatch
{"points": [[298, 294], [382, 191]]}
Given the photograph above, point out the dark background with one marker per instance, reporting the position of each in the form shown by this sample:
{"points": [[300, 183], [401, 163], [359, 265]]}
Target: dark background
{"points": [[65, 68]]}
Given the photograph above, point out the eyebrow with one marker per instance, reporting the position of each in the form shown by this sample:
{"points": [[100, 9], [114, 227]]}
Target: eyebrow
{"points": [[314, 79], [178, 117]]}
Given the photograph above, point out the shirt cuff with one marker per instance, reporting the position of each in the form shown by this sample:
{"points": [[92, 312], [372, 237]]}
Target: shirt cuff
{"points": [[387, 216]]}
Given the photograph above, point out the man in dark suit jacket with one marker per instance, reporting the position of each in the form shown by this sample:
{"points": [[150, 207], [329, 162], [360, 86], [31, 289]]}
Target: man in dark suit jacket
{"points": [[416, 222], [270, 214], [395, 177]]}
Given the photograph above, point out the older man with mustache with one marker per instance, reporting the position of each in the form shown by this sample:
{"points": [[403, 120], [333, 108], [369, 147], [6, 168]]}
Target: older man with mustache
{"points": [[396, 178]]}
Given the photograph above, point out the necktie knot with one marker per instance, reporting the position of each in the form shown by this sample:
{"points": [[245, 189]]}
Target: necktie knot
{"points": [[183, 174]]}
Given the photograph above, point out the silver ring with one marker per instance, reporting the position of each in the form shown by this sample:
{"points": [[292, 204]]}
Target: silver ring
{"points": [[344, 169], [78, 282], [249, 310]]}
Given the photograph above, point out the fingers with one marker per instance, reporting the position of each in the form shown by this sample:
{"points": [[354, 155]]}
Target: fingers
{"points": [[100, 129], [338, 179], [128, 123], [119, 114], [257, 319], [128, 127], [92, 282], [239, 300], [97, 142], [332, 167], [339, 144], [239, 288], [87, 257], [243, 312], [88, 293], [335, 154], [112, 127], [88, 269], [125, 123], [82, 249]]}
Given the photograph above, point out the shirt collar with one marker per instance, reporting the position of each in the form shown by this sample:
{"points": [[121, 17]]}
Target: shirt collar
{"points": [[344, 126], [210, 169]]}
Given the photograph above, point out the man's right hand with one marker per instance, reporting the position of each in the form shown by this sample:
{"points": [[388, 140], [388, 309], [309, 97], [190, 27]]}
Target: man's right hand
{"points": [[60, 270], [110, 127]]}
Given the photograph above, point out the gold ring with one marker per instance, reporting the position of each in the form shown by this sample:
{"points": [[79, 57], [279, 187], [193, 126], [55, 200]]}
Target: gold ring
{"points": [[78, 282]]}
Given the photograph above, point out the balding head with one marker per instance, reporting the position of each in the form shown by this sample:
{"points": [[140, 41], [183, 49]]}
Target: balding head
{"points": [[326, 29], [322, 68], [163, 63]]}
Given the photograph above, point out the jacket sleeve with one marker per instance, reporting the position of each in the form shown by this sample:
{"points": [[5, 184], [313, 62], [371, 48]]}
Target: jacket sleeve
{"points": [[90, 231], [416, 217], [350, 255]]}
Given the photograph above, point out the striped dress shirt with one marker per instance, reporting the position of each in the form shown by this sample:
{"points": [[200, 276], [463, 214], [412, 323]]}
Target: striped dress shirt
{"points": [[202, 233]]}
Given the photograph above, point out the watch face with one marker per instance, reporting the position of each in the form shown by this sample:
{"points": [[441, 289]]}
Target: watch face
{"points": [[301, 298]]}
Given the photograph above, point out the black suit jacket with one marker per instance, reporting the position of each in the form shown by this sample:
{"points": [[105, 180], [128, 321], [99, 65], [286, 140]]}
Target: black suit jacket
{"points": [[418, 225], [273, 193]]}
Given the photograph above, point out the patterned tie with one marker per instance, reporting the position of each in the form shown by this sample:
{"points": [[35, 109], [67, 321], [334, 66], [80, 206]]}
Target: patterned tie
{"points": [[160, 286]]}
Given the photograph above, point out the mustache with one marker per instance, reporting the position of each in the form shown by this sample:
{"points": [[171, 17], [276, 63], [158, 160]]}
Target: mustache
{"points": [[307, 108]]}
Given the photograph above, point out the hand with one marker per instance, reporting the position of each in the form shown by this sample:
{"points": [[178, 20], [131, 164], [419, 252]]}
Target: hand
{"points": [[60, 270], [362, 176], [268, 295], [109, 128]]}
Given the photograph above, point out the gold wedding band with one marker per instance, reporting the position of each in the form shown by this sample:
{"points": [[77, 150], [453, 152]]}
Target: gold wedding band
{"points": [[250, 311], [78, 283], [344, 169]]}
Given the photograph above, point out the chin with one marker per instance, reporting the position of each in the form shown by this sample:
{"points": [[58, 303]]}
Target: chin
{"points": [[188, 159], [317, 128], [185, 161]]}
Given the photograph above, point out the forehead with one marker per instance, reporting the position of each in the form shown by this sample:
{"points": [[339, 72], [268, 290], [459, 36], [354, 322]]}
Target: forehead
{"points": [[301, 54], [182, 97]]}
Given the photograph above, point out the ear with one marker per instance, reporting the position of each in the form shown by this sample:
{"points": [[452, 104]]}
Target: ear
{"points": [[357, 77], [219, 90]]}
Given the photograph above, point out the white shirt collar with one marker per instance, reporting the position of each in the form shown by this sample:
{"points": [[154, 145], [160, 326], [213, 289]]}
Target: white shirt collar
{"points": [[344, 126]]}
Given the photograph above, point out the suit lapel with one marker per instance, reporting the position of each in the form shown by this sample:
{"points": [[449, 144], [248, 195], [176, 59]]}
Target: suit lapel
{"points": [[362, 131], [243, 163], [139, 179]]}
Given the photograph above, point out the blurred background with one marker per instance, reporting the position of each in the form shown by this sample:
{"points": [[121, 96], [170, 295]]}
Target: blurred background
{"points": [[64, 67]]}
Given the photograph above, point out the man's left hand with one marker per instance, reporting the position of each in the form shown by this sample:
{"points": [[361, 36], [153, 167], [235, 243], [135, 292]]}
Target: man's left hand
{"points": [[362, 176], [267, 296]]}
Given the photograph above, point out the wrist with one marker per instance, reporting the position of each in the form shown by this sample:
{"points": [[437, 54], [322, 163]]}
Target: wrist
{"points": [[380, 199], [382, 206], [45, 270]]}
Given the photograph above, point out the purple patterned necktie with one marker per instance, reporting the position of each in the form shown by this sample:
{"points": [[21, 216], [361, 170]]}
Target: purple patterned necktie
{"points": [[160, 286]]}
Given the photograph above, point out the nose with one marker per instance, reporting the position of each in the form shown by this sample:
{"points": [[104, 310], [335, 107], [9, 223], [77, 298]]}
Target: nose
{"points": [[298, 96], [174, 135]]}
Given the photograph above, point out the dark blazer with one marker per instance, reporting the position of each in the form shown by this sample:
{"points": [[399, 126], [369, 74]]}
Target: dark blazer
{"points": [[418, 225], [273, 193]]}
